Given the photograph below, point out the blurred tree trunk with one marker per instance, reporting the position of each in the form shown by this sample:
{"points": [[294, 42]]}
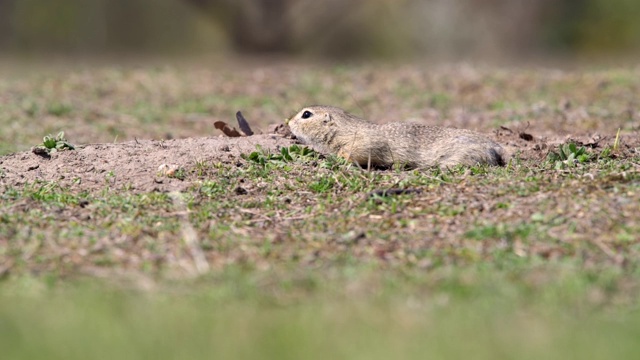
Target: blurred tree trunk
{"points": [[252, 25]]}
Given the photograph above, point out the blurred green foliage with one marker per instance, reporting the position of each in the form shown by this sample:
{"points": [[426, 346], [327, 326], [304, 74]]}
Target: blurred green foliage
{"points": [[594, 26], [378, 28], [610, 25]]}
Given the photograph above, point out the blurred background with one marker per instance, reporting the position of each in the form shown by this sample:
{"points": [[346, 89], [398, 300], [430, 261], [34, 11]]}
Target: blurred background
{"points": [[511, 29]]}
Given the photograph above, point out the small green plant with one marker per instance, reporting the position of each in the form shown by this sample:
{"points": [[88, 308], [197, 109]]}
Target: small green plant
{"points": [[286, 154], [179, 174], [322, 185], [568, 155], [605, 153], [335, 162], [110, 177], [295, 152], [52, 144]]}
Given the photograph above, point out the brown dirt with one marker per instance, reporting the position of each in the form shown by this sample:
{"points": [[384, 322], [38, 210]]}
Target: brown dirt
{"points": [[134, 165]]}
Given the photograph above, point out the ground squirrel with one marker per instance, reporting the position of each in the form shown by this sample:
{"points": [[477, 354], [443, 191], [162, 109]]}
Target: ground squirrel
{"points": [[331, 129]]}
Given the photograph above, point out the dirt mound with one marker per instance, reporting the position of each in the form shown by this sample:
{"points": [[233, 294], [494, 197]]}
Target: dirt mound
{"points": [[139, 166], [154, 165]]}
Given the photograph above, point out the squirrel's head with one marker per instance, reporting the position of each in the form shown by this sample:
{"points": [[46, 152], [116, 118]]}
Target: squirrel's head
{"points": [[313, 122], [313, 115]]}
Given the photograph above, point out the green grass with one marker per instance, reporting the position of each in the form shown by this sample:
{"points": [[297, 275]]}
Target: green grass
{"points": [[533, 260], [354, 313], [387, 278], [298, 205]]}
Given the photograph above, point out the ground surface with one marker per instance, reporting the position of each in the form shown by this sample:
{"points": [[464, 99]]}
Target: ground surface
{"points": [[136, 166], [291, 247]]}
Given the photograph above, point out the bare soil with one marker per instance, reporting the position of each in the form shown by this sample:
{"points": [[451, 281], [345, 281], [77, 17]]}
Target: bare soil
{"points": [[135, 165]]}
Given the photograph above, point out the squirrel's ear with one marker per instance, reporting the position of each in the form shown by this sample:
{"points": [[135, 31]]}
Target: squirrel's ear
{"points": [[327, 118]]}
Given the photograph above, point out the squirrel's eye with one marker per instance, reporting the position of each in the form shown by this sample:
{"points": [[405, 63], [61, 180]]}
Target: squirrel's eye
{"points": [[306, 114]]}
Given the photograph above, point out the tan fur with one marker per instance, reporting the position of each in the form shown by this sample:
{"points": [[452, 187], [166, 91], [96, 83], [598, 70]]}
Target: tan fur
{"points": [[331, 129]]}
